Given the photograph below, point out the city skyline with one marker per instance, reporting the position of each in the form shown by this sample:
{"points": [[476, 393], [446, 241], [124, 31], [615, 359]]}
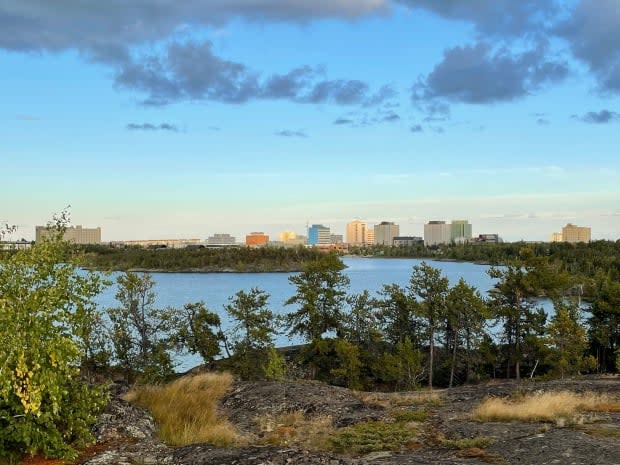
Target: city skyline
{"points": [[186, 119]]}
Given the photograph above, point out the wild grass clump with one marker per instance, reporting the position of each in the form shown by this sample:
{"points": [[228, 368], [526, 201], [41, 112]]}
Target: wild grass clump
{"points": [[477, 442], [186, 410], [561, 406], [400, 399], [372, 436], [294, 428]]}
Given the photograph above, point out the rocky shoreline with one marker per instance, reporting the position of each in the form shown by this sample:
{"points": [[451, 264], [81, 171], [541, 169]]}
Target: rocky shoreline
{"points": [[127, 435]]}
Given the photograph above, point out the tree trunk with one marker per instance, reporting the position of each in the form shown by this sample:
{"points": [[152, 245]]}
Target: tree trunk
{"points": [[453, 359]]}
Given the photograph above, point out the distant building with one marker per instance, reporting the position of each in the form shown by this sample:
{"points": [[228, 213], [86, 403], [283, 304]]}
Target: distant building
{"points": [[319, 235], [357, 232], [460, 231], [573, 234], [15, 245], [437, 232], [370, 236], [407, 241], [335, 239], [76, 234], [256, 239], [221, 239], [488, 239], [556, 237], [290, 238], [385, 232]]}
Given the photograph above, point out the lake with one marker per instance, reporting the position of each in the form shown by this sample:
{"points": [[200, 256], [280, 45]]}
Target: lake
{"points": [[177, 289]]}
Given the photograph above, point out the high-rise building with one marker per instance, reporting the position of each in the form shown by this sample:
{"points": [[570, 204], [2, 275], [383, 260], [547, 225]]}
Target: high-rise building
{"points": [[385, 232], [556, 237], [370, 236], [437, 232], [76, 234], [319, 235], [290, 238], [572, 233], [221, 239], [335, 239], [356, 232], [256, 239], [460, 231]]}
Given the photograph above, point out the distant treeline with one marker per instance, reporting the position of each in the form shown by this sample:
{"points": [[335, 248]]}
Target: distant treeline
{"points": [[234, 259], [582, 259]]}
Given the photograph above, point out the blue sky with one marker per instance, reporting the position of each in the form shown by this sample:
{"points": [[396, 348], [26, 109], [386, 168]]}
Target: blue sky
{"points": [[182, 118]]}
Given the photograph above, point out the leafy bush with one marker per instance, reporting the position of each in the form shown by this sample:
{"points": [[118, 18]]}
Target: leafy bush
{"points": [[44, 408]]}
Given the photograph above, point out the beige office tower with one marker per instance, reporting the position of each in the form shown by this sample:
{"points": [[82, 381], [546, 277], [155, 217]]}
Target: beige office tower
{"points": [[385, 232], [356, 232], [572, 233], [437, 232], [556, 237], [370, 236], [75, 234]]}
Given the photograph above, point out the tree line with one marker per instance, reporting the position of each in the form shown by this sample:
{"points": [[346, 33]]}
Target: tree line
{"points": [[238, 259]]}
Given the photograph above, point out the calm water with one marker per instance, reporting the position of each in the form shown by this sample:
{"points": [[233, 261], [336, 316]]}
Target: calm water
{"points": [[177, 289]]}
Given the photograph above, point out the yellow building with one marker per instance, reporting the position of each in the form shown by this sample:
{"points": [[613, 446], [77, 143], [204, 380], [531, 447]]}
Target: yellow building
{"points": [[556, 237], [572, 233], [75, 234], [357, 232]]}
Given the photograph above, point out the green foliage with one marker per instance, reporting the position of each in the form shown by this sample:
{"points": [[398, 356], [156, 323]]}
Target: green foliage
{"points": [[397, 313], [567, 338], [604, 321], [241, 259], [478, 442], [252, 333], [348, 364], [320, 297], [467, 315], [430, 288], [143, 335], [200, 331], [44, 305], [403, 368], [275, 365], [513, 299], [371, 436]]}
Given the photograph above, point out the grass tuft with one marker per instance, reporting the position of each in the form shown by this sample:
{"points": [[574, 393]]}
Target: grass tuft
{"points": [[562, 406], [186, 410], [400, 399]]}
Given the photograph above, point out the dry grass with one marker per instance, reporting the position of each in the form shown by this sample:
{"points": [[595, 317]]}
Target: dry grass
{"points": [[186, 410], [390, 400], [294, 428], [562, 407]]}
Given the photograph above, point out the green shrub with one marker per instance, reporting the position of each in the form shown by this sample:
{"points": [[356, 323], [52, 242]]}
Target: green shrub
{"points": [[44, 407], [371, 436]]}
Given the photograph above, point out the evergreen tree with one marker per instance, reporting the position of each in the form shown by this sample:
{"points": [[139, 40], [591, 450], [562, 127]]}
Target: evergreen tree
{"points": [[567, 338], [467, 315], [200, 331], [142, 334], [321, 299], [515, 302], [252, 333], [429, 288]]}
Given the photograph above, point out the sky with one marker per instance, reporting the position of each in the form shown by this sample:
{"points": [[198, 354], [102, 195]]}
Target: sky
{"points": [[184, 118]]}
